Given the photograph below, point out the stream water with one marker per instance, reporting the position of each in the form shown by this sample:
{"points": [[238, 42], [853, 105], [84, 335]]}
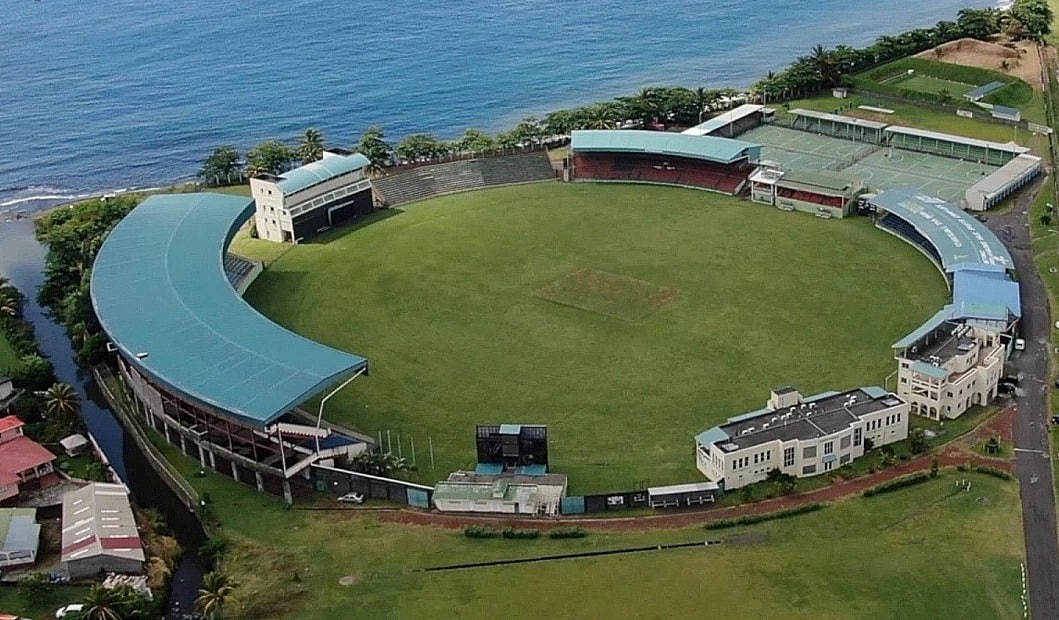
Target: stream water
{"points": [[22, 262]]}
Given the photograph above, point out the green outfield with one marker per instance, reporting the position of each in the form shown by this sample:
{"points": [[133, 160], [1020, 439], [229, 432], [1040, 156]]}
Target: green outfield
{"points": [[928, 84], [901, 555], [476, 308]]}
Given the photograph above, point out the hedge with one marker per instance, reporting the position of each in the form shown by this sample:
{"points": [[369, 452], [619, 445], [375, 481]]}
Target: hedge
{"points": [[510, 532], [768, 516], [478, 531], [897, 483], [994, 472], [567, 532]]}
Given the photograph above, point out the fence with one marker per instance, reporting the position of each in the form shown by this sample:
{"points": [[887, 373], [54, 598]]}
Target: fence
{"points": [[339, 481], [120, 405]]}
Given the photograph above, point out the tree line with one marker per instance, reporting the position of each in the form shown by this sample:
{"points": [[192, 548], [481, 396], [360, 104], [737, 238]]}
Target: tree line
{"points": [[824, 68]]}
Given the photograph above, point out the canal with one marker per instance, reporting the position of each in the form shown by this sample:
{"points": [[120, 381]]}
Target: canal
{"points": [[22, 262]]}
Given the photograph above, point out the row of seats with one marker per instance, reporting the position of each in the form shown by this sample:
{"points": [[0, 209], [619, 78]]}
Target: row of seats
{"points": [[727, 179], [828, 201], [904, 229], [457, 176], [236, 268]]}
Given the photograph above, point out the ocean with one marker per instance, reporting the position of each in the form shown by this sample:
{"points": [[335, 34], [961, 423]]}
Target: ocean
{"points": [[117, 94]]}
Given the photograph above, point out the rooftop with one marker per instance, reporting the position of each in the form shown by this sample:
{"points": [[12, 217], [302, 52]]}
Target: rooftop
{"points": [[19, 530], [819, 181], [710, 148], [1006, 147], [160, 292], [982, 91], [1007, 173], [836, 118], [942, 343], [331, 166], [958, 237], [985, 295], [10, 423], [22, 453], [815, 416], [97, 520], [723, 120]]}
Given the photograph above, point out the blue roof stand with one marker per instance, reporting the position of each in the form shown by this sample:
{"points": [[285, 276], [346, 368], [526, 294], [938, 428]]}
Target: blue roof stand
{"points": [[709, 148], [159, 289], [316, 172]]}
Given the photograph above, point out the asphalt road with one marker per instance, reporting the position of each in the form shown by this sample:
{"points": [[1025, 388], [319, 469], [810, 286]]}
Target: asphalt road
{"points": [[1033, 464]]}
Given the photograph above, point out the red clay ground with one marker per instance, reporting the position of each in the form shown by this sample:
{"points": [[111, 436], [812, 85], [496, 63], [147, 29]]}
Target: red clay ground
{"points": [[952, 454]]}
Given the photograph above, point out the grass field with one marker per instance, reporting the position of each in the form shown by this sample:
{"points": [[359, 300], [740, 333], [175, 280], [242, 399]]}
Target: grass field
{"points": [[445, 300], [11, 602], [928, 84], [925, 552]]}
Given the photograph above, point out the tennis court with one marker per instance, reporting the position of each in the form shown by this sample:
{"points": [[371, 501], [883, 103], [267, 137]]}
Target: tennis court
{"points": [[879, 168]]}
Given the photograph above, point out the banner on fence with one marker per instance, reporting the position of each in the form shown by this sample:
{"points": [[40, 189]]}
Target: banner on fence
{"points": [[965, 113], [1037, 128]]}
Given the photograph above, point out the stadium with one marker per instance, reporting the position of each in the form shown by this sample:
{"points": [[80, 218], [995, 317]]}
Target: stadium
{"points": [[605, 273]]}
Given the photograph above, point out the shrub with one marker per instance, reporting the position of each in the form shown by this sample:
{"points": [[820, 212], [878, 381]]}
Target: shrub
{"points": [[480, 531], [961, 468], [897, 483], [510, 532], [567, 532], [721, 524], [994, 472]]}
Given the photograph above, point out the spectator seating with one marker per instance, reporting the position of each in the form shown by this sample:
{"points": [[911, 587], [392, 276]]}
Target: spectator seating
{"points": [[655, 169], [239, 270], [906, 231], [459, 176], [828, 201]]}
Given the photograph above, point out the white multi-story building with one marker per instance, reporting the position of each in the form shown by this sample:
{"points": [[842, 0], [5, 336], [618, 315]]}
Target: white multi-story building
{"points": [[949, 368], [800, 436], [300, 203]]}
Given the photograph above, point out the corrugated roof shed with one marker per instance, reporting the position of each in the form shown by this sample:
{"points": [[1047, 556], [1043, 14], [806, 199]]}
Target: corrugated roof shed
{"points": [[160, 292], [97, 519]]}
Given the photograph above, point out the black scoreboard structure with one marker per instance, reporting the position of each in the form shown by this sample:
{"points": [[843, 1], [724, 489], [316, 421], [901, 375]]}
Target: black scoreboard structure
{"points": [[513, 445]]}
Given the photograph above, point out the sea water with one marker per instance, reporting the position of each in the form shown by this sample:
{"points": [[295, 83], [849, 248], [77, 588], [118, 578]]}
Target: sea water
{"points": [[112, 94]]}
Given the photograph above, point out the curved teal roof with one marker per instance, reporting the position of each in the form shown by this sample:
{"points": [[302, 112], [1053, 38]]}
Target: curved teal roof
{"points": [[710, 148], [329, 167], [161, 294], [959, 238]]}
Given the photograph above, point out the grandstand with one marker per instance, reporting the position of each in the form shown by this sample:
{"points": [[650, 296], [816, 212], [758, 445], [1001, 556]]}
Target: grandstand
{"points": [[241, 272], [733, 122], [459, 176], [207, 371], [836, 126], [824, 193], [1007, 180], [701, 162], [948, 145]]}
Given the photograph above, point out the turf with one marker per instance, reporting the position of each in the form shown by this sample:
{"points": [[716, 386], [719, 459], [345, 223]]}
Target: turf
{"points": [[609, 294], [928, 84], [443, 300], [903, 555]]}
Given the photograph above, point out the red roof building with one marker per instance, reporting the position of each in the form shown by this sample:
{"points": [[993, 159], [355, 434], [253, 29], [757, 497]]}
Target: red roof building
{"points": [[22, 460]]}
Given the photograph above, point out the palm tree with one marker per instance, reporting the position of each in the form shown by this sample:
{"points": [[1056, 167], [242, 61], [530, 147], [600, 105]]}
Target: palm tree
{"points": [[216, 592], [61, 399], [311, 147], [103, 604], [8, 303], [602, 115]]}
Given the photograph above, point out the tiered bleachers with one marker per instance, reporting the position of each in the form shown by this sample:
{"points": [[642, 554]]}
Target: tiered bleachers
{"points": [[902, 228], [237, 269], [828, 201], [656, 169], [458, 176]]}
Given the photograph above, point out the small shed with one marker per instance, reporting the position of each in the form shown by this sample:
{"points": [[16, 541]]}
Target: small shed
{"points": [[1006, 113], [74, 444], [683, 495]]}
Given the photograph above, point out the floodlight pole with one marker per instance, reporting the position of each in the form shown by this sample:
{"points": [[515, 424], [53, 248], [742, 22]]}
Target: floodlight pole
{"points": [[323, 401]]}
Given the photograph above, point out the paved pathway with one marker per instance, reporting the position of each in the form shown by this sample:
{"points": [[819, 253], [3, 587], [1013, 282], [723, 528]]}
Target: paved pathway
{"points": [[1033, 463]]}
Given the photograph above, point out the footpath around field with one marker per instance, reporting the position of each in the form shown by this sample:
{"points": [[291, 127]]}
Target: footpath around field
{"points": [[951, 454]]}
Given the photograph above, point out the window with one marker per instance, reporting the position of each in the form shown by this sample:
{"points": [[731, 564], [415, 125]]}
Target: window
{"points": [[809, 452], [842, 460], [829, 447], [843, 442], [808, 469], [788, 457], [858, 436], [904, 379]]}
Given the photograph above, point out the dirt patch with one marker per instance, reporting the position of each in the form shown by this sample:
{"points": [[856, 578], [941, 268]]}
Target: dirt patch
{"points": [[1018, 59], [348, 580]]}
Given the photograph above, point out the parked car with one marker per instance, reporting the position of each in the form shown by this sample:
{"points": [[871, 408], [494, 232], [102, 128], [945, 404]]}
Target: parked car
{"points": [[62, 612], [352, 498]]}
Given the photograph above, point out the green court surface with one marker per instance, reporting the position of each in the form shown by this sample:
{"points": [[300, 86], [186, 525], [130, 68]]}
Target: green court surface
{"points": [[879, 168], [927, 84], [625, 317]]}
